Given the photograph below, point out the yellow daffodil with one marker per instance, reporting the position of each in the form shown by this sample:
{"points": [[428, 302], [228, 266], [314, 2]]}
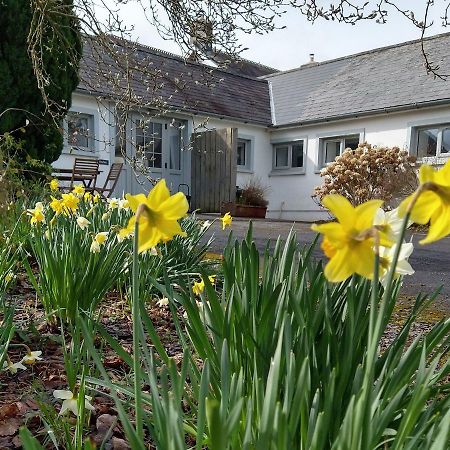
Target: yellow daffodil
{"points": [[54, 185], [158, 220], [349, 242], [31, 357], [226, 220], [78, 190], [198, 287], [212, 279], [13, 367], [36, 214], [69, 202], [433, 203], [87, 197], [82, 222], [96, 198], [70, 402], [56, 205], [123, 234], [98, 241]]}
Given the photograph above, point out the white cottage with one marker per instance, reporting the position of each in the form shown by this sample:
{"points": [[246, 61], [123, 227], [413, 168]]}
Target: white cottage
{"points": [[289, 124]]}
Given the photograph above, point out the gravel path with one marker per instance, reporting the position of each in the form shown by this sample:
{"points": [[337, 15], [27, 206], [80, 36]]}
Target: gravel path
{"points": [[431, 262]]}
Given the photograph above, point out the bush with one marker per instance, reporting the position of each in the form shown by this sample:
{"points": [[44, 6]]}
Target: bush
{"points": [[254, 193], [367, 173]]}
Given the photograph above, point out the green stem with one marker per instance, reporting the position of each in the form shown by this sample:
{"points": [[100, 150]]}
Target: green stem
{"points": [[136, 333]]}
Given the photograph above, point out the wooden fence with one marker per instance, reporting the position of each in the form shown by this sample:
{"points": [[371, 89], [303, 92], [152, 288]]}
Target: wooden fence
{"points": [[213, 169]]}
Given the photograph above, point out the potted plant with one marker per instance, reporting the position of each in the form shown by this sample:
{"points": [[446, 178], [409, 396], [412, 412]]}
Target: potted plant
{"points": [[250, 201]]}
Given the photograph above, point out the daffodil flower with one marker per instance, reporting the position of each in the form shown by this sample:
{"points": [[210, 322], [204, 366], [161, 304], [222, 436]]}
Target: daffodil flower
{"points": [[389, 222], [31, 357], [403, 267], [54, 185], [98, 240], [113, 203], [70, 202], [9, 276], [56, 205], [349, 243], [13, 367], [198, 287], [123, 234], [159, 215], [432, 202], [163, 302], [87, 197], [78, 190], [96, 198], [124, 203], [82, 222], [226, 220], [37, 214], [206, 224], [70, 402]]}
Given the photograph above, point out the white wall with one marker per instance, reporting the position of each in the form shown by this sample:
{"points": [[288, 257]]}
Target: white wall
{"points": [[290, 197], [103, 135]]}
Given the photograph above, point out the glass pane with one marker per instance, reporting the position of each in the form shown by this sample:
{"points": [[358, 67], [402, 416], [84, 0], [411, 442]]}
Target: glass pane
{"points": [[154, 153], [351, 142], [78, 131], [281, 156], [427, 142], [297, 155], [175, 151], [241, 153], [445, 146], [157, 130], [332, 149]]}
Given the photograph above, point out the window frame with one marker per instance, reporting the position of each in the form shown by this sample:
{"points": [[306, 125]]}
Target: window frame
{"points": [[149, 148], [249, 151], [91, 119], [288, 169], [334, 138], [441, 126]]}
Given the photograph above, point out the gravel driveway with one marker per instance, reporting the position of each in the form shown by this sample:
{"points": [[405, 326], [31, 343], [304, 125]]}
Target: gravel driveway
{"points": [[431, 262]]}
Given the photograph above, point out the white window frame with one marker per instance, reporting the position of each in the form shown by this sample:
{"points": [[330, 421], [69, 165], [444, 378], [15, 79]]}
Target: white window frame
{"points": [[249, 151], [288, 170], [414, 141], [78, 149], [339, 137]]}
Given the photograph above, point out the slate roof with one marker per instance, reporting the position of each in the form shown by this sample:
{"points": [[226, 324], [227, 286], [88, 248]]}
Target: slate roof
{"points": [[371, 82], [163, 81]]}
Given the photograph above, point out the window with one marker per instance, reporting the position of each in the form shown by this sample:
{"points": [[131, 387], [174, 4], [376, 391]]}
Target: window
{"points": [[244, 154], [432, 141], [330, 148], [289, 155], [121, 133], [80, 131], [149, 142]]}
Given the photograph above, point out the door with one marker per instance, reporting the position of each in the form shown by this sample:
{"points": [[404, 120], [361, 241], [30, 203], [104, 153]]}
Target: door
{"points": [[158, 153]]}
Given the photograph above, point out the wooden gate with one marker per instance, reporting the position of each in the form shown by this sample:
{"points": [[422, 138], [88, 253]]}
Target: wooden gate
{"points": [[213, 169]]}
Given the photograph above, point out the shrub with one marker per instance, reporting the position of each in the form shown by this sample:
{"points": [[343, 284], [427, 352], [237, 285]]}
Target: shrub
{"points": [[367, 173], [254, 193]]}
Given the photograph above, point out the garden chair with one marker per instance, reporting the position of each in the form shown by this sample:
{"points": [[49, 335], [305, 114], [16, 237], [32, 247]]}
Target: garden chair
{"points": [[111, 180], [86, 171]]}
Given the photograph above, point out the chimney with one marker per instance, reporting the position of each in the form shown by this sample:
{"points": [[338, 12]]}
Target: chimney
{"points": [[311, 58], [311, 62]]}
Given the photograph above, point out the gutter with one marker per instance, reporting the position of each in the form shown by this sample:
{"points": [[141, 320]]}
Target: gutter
{"points": [[373, 112]]}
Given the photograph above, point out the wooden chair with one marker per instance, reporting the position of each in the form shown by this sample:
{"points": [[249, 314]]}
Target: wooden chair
{"points": [[86, 171], [111, 179]]}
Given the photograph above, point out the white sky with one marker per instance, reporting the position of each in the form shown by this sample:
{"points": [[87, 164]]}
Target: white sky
{"points": [[290, 47]]}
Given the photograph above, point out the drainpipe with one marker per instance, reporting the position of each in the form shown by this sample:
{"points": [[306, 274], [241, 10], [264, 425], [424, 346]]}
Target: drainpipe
{"points": [[281, 210]]}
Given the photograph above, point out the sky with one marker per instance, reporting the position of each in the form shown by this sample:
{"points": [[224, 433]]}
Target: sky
{"points": [[290, 47]]}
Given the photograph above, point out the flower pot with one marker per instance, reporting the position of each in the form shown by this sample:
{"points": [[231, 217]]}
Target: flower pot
{"points": [[239, 210]]}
